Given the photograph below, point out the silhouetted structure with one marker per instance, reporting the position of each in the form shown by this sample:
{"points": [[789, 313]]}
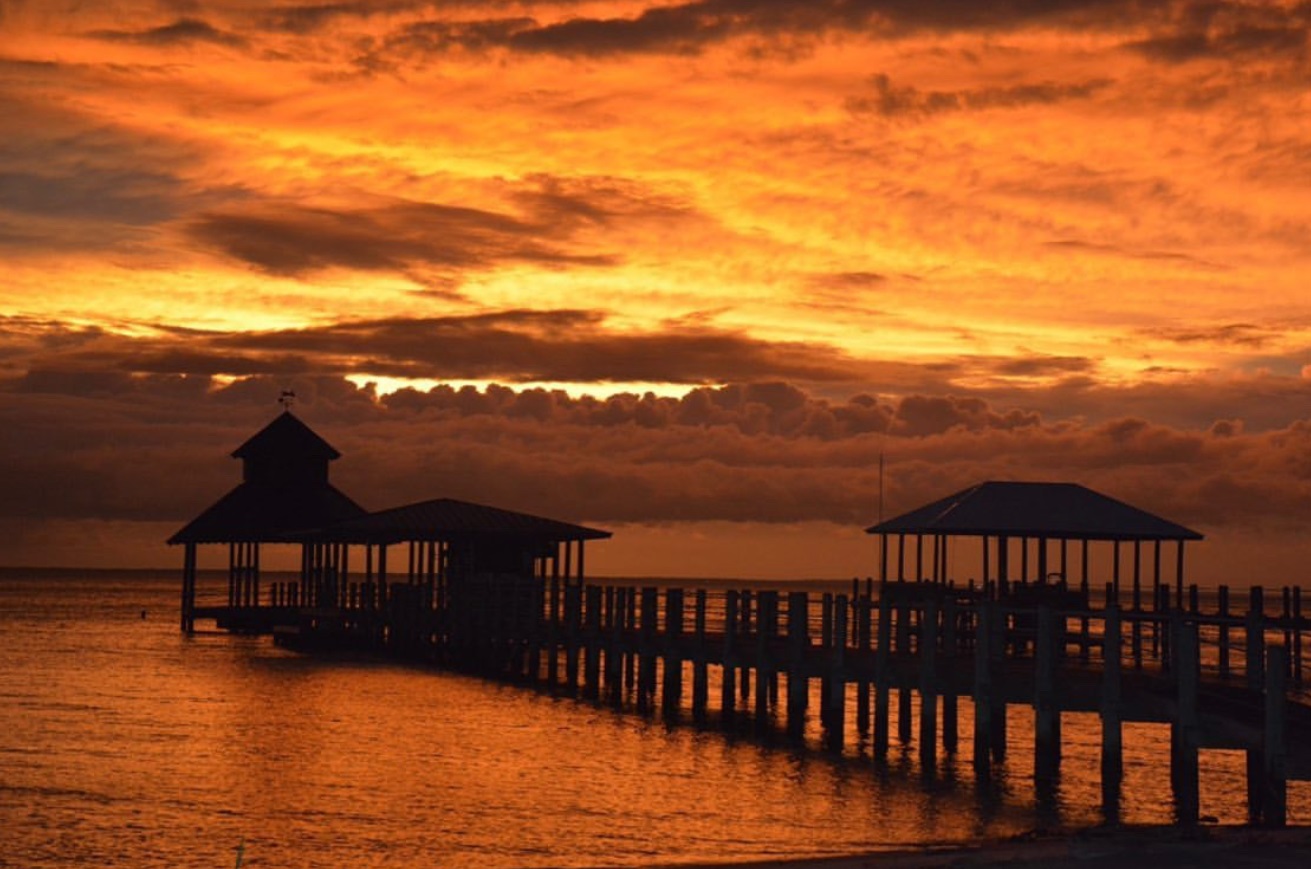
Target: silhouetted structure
{"points": [[503, 594], [457, 552], [1016, 526]]}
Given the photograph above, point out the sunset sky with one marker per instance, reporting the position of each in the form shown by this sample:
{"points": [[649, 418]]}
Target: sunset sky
{"points": [[678, 270]]}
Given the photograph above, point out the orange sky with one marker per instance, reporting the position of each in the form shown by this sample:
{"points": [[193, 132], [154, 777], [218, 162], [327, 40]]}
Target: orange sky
{"points": [[1064, 239]]}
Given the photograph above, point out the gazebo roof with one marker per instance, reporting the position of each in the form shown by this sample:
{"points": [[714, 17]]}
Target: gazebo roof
{"points": [[286, 435], [449, 519], [261, 513], [1065, 511]]}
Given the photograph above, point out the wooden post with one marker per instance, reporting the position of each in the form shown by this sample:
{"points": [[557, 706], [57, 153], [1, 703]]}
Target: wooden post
{"points": [[573, 608], [1046, 705], [1185, 729], [188, 621], [798, 646], [1274, 803], [672, 695], [1255, 667], [903, 652], [835, 701], [983, 700], [614, 654], [928, 685], [592, 650], [766, 601], [882, 674], [825, 643], [1137, 627], [552, 626], [950, 726], [630, 627], [728, 680], [700, 669], [646, 666], [744, 673], [1297, 636], [1112, 734], [996, 653], [864, 611], [1223, 632]]}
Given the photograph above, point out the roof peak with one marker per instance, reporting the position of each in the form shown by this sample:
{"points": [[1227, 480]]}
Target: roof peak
{"points": [[286, 435]]}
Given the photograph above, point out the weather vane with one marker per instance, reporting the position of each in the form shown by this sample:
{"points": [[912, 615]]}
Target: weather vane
{"points": [[287, 399]]}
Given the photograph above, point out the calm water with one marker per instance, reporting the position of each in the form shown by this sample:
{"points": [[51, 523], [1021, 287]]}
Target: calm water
{"points": [[123, 743]]}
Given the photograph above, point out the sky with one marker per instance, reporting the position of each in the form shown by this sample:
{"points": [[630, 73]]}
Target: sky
{"points": [[679, 270]]}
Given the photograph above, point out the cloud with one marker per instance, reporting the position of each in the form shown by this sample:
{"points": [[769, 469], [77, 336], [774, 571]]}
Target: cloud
{"points": [[892, 101], [1229, 44], [1233, 334], [559, 345], [184, 31], [72, 179], [152, 449], [690, 28], [294, 239], [516, 345]]}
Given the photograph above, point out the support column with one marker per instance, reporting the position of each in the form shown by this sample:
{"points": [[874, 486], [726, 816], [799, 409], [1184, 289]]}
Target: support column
{"points": [[983, 687], [928, 683], [882, 674], [672, 694], [835, 701], [1275, 765], [798, 645], [950, 652], [1255, 663], [1046, 705], [728, 675], [1112, 714], [1184, 731], [700, 670], [189, 588]]}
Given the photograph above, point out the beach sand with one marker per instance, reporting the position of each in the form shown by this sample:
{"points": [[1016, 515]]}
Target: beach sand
{"points": [[1119, 848]]}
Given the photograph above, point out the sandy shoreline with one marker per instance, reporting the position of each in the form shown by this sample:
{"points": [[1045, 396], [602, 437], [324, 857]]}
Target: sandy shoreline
{"points": [[1118, 848]]}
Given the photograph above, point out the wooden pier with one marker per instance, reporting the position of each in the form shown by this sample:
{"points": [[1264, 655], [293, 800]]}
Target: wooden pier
{"points": [[505, 595], [1222, 678]]}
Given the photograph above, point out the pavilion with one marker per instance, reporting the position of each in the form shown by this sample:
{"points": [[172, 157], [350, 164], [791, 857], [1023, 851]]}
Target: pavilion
{"points": [[1021, 535], [453, 550]]}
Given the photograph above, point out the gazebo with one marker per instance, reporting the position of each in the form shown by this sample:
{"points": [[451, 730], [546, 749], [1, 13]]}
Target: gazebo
{"points": [[284, 494], [457, 552], [1021, 535]]}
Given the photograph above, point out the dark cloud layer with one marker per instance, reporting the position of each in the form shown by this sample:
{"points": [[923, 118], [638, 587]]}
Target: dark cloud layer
{"points": [[292, 239], [1182, 30], [523, 345], [892, 101], [689, 27], [184, 31], [152, 449]]}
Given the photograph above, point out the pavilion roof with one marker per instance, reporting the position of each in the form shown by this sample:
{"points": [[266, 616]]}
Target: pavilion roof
{"points": [[1065, 511], [449, 519], [286, 435], [261, 513]]}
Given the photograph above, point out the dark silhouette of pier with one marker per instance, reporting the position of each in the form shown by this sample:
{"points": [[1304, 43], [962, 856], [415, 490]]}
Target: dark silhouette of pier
{"points": [[504, 594]]}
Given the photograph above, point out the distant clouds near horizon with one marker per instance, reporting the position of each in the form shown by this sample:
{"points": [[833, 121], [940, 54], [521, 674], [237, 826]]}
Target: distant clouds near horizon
{"points": [[1053, 240]]}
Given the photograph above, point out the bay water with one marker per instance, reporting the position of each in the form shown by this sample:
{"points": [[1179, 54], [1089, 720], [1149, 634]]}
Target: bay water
{"points": [[125, 743]]}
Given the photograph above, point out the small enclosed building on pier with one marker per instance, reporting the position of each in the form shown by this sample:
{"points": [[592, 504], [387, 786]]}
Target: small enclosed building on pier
{"points": [[456, 556]]}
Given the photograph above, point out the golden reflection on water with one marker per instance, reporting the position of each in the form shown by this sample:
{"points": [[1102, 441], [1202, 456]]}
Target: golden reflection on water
{"points": [[125, 743]]}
